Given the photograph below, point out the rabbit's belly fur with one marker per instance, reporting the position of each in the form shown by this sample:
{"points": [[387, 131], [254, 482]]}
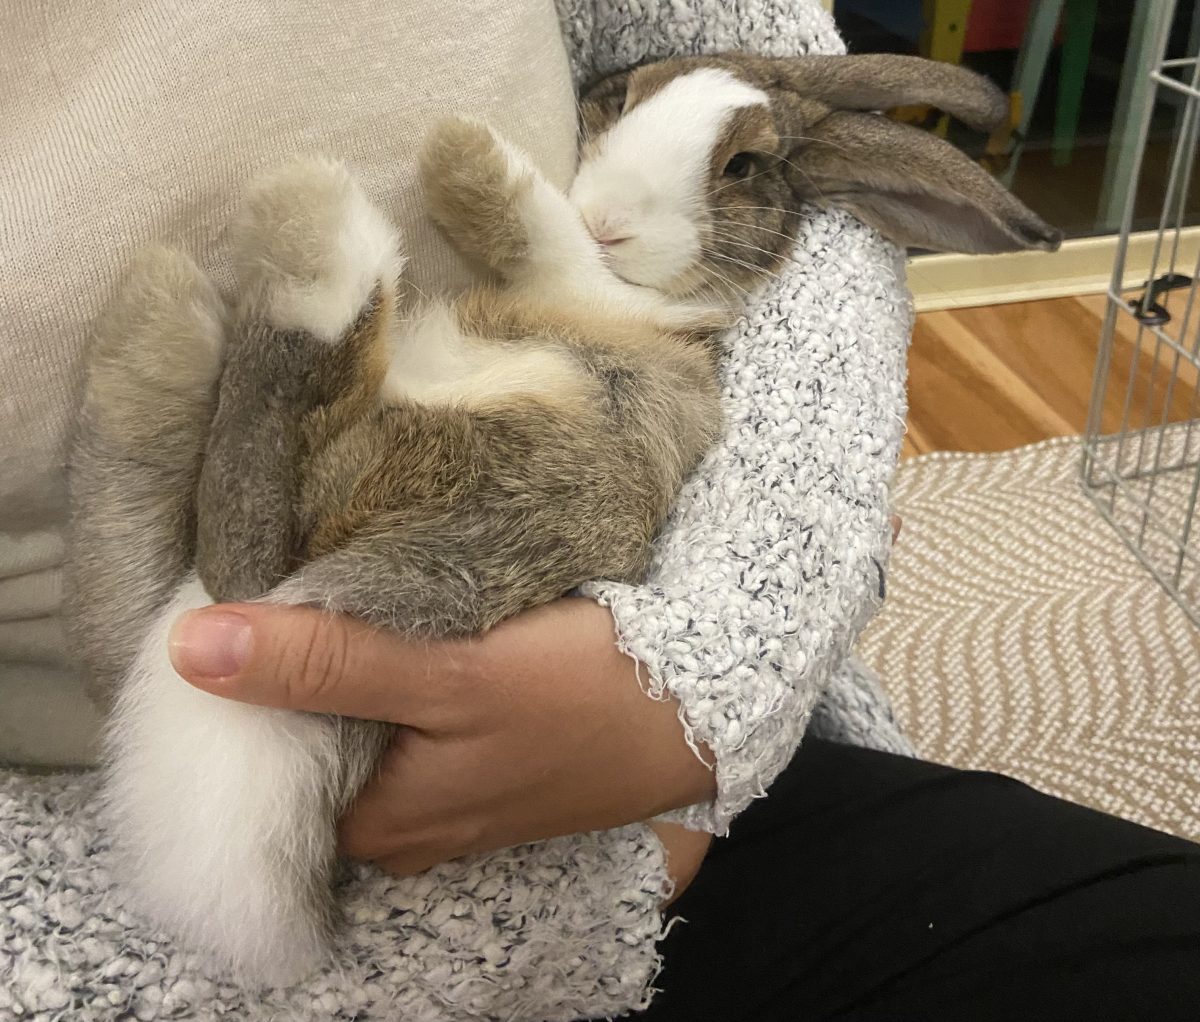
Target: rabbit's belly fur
{"points": [[432, 361]]}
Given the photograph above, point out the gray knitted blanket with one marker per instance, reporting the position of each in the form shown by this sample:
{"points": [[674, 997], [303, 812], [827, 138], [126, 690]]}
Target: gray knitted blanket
{"points": [[770, 565]]}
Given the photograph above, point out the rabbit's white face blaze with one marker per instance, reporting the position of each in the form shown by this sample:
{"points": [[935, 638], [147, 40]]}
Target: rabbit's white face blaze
{"points": [[644, 185]]}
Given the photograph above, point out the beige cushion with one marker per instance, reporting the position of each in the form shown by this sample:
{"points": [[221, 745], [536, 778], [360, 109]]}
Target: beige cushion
{"points": [[124, 122]]}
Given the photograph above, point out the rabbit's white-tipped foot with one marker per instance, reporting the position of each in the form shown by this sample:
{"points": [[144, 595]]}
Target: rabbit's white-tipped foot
{"points": [[220, 816], [311, 247]]}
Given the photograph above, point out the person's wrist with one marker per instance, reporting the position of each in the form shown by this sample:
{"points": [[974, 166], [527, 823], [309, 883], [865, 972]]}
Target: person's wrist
{"points": [[682, 773], [688, 777], [683, 853]]}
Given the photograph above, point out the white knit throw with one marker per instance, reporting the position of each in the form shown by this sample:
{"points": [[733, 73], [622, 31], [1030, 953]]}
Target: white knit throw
{"points": [[770, 565]]}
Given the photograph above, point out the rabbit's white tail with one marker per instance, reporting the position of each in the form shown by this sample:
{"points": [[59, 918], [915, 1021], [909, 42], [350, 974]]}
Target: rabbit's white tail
{"points": [[221, 814]]}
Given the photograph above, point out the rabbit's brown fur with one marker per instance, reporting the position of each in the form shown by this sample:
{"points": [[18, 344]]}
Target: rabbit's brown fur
{"points": [[148, 401], [498, 509], [480, 510]]}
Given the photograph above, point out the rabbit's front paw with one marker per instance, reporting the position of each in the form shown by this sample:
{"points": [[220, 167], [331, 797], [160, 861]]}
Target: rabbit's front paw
{"points": [[474, 185], [311, 248]]}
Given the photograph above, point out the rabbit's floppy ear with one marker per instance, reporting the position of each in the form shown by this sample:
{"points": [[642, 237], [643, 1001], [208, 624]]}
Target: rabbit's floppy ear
{"points": [[912, 186], [884, 81]]}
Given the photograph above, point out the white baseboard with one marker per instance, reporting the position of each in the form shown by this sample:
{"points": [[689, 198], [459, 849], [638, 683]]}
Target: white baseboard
{"points": [[1082, 266]]}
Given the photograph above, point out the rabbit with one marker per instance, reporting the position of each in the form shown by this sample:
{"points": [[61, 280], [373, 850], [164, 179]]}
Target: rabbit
{"points": [[434, 466]]}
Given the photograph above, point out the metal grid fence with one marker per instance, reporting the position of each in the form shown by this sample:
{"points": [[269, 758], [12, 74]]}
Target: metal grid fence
{"points": [[1141, 457]]}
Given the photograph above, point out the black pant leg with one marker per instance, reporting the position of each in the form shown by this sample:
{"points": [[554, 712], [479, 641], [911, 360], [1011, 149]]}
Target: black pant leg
{"points": [[873, 888]]}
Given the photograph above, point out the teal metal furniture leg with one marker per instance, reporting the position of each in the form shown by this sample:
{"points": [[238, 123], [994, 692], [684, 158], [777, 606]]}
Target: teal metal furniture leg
{"points": [[1031, 67], [945, 30], [1146, 42], [1076, 55]]}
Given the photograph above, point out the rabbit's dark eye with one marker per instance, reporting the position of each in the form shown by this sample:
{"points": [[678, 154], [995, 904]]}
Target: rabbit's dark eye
{"points": [[739, 165]]}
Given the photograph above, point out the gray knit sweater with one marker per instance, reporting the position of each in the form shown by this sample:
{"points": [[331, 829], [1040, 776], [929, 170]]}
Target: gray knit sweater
{"points": [[771, 563]]}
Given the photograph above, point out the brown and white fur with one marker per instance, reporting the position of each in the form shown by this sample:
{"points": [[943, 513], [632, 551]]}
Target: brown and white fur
{"points": [[436, 466]]}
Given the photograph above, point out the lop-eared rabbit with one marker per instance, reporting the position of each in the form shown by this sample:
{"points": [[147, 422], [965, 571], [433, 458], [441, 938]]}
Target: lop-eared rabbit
{"points": [[435, 466]]}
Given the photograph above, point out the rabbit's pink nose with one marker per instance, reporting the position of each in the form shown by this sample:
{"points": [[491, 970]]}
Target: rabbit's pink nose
{"points": [[601, 228]]}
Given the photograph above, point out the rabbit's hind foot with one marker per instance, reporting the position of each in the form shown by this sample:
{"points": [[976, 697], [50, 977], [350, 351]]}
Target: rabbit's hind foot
{"points": [[156, 354], [311, 249]]}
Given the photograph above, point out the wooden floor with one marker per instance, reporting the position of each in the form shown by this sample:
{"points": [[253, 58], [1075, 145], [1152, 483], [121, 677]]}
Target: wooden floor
{"points": [[1001, 376]]}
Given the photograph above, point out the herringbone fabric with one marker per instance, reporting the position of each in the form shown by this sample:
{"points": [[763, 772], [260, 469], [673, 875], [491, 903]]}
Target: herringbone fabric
{"points": [[1021, 635]]}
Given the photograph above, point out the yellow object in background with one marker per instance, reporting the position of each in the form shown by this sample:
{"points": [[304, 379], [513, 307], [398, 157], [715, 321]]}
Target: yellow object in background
{"points": [[945, 30]]}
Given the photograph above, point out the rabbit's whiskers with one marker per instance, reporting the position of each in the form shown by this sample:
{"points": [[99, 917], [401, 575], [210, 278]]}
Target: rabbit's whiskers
{"points": [[807, 176], [809, 138], [800, 214], [720, 225], [756, 267], [727, 235], [784, 256], [760, 271], [734, 287], [739, 181]]}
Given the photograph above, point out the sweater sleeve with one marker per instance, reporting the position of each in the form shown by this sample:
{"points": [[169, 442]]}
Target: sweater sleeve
{"points": [[774, 556], [555, 931]]}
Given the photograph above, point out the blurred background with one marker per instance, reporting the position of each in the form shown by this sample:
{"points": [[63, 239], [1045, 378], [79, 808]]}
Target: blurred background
{"points": [[1073, 69], [1043, 611]]}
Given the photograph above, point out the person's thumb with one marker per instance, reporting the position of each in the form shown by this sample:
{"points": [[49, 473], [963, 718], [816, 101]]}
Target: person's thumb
{"points": [[302, 659]]}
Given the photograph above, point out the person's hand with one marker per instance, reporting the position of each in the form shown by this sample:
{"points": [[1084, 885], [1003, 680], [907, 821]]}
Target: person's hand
{"points": [[539, 728]]}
